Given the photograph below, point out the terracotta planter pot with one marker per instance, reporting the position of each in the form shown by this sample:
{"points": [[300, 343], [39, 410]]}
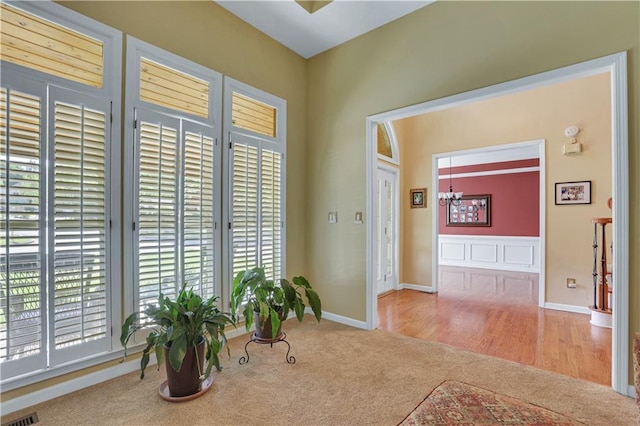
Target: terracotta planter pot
{"points": [[186, 381], [265, 332]]}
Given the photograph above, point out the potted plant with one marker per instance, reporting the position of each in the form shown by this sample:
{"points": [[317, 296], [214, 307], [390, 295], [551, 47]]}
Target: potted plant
{"points": [[268, 302], [186, 332]]}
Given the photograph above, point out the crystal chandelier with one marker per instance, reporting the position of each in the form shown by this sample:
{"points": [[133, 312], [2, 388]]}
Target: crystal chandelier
{"points": [[450, 198]]}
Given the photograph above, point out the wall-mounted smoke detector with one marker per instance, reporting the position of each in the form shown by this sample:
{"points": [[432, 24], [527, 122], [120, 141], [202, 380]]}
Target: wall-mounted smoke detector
{"points": [[571, 131]]}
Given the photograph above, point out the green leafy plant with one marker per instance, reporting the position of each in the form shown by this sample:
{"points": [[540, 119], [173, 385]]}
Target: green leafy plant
{"points": [[179, 324], [271, 299]]}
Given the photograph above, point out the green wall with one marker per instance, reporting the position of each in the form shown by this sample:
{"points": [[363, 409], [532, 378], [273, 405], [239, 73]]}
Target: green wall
{"points": [[437, 51]]}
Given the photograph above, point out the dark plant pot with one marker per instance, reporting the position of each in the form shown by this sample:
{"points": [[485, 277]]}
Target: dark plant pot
{"points": [[186, 381], [265, 332]]}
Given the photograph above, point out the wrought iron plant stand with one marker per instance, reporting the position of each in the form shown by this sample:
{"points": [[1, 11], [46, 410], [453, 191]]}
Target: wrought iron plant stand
{"points": [[282, 337]]}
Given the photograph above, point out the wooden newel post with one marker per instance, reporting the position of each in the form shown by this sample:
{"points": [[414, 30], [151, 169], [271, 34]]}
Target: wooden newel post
{"points": [[601, 287]]}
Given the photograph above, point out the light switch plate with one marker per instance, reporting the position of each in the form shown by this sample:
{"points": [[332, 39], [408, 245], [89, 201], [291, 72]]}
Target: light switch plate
{"points": [[333, 217], [358, 218]]}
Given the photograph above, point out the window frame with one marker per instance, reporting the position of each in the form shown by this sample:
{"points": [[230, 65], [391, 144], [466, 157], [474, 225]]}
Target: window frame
{"points": [[111, 89], [277, 143], [136, 49]]}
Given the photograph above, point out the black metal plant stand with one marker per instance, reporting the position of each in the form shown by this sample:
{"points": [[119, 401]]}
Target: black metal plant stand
{"points": [[261, 341]]}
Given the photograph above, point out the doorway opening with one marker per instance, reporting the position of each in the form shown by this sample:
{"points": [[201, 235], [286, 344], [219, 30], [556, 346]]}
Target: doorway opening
{"points": [[616, 66]]}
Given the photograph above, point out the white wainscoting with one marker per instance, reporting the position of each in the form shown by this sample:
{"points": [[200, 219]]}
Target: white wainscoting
{"points": [[519, 254]]}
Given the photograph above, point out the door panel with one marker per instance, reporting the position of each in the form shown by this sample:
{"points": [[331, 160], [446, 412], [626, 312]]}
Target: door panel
{"points": [[386, 230]]}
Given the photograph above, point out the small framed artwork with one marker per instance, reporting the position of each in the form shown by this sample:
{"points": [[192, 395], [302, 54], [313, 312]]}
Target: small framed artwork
{"points": [[470, 210], [418, 198], [573, 192]]}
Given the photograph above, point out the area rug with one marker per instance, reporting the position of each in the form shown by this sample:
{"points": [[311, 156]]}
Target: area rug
{"points": [[457, 403]]}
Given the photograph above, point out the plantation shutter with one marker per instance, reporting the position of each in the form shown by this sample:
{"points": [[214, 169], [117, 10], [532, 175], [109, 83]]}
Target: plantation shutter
{"points": [[270, 213], [244, 208], [256, 210], [79, 235], [22, 314], [157, 233], [199, 209]]}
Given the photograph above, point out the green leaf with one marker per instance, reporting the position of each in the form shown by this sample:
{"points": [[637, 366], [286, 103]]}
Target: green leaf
{"points": [[289, 292], [298, 307], [264, 312], [144, 361], [275, 322], [159, 355], [129, 328], [314, 302], [248, 316], [177, 352], [302, 282], [215, 346]]}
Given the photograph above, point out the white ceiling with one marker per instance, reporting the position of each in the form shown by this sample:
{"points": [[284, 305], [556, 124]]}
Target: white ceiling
{"points": [[309, 34]]}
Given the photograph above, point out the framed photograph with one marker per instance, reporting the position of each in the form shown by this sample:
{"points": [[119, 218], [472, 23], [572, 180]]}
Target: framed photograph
{"points": [[472, 210], [573, 192], [418, 198]]}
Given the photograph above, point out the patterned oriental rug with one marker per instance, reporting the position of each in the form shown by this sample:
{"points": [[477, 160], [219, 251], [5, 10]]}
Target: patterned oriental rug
{"points": [[456, 403]]}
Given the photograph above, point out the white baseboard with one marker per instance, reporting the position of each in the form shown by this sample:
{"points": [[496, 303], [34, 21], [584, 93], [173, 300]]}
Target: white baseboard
{"points": [[340, 319], [568, 308], [238, 331], [24, 401], [631, 391], [423, 288], [27, 400]]}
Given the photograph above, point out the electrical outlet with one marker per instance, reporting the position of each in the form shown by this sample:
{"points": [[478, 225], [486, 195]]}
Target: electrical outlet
{"points": [[333, 217], [571, 283]]}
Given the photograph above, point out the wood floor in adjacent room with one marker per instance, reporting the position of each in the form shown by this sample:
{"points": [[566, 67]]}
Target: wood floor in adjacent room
{"points": [[496, 313]]}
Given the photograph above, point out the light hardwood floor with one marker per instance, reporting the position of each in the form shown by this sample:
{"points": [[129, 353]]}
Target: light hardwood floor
{"points": [[496, 313]]}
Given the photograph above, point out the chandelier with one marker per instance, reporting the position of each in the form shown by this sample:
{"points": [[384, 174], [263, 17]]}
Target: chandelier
{"points": [[450, 198]]}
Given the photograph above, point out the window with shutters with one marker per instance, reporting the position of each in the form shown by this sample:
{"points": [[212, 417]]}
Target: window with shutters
{"points": [[176, 173], [60, 78], [256, 143]]}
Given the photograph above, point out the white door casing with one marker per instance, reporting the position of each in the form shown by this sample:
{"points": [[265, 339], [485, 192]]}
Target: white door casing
{"points": [[616, 65]]}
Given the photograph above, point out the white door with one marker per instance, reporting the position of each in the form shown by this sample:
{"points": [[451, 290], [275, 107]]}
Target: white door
{"points": [[386, 230]]}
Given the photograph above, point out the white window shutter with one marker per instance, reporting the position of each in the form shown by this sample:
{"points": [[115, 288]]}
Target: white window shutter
{"points": [[21, 235], [271, 213], [244, 209], [157, 231], [79, 216], [199, 205]]}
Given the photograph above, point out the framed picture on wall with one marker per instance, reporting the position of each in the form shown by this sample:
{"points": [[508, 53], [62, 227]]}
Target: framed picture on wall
{"points": [[573, 192], [471, 210], [418, 198]]}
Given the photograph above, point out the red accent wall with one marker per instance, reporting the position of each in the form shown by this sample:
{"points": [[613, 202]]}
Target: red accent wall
{"points": [[515, 200]]}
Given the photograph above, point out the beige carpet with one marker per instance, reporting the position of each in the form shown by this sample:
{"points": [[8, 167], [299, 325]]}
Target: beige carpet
{"points": [[343, 376]]}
